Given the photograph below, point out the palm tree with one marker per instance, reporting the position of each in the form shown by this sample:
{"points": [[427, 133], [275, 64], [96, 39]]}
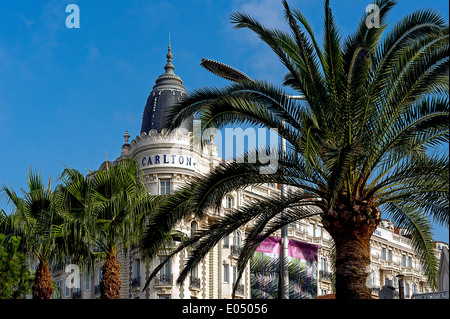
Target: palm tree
{"points": [[108, 209], [364, 140], [39, 223]]}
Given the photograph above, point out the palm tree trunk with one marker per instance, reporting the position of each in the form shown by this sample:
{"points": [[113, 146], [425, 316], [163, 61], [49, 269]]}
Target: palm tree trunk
{"points": [[42, 284], [352, 262], [351, 229], [110, 284]]}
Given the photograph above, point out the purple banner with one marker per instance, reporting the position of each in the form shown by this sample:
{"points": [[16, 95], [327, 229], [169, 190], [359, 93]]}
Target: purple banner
{"points": [[302, 250], [270, 245], [302, 269]]}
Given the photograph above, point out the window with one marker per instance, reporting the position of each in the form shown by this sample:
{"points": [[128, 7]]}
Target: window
{"points": [[66, 290], [226, 242], [87, 281], [383, 254], [318, 231], [226, 274], [165, 186], [164, 297], [59, 292], [229, 203], [404, 260], [234, 274], [372, 279], [311, 230], [394, 282], [99, 276], [80, 284], [194, 272], [389, 257], [237, 238], [410, 262], [323, 292], [137, 268], [166, 270], [414, 288], [194, 227], [323, 262], [406, 290]]}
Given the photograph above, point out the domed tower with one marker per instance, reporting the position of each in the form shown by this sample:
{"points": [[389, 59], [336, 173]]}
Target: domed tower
{"points": [[167, 160], [168, 90]]}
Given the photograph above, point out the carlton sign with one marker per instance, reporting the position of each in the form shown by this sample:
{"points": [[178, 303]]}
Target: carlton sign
{"points": [[167, 160]]}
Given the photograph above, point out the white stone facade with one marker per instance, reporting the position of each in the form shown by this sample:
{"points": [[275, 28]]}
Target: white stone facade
{"points": [[391, 253]]}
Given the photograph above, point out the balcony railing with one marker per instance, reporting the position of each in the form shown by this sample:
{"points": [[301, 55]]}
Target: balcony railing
{"points": [[136, 282], [235, 250], [326, 275], [164, 279], [431, 295], [195, 282]]}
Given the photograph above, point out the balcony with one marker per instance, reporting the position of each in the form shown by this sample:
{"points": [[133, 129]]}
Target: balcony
{"points": [[136, 282], [325, 275], [195, 283], [235, 250], [164, 280], [240, 290]]}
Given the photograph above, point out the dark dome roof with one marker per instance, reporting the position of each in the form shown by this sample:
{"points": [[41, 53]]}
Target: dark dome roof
{"points": [[168, 90]]}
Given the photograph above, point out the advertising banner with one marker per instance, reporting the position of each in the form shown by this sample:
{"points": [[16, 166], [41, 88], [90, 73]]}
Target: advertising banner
{"points": [[265, 270], [302, 266]]}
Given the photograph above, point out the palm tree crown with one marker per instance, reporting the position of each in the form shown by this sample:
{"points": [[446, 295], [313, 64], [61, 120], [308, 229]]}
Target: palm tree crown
{"points": [[37, 219], [107, 209], [364, 140]]}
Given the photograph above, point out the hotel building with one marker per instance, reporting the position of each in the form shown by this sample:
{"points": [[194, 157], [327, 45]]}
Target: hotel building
{"points": [[169, 161]]}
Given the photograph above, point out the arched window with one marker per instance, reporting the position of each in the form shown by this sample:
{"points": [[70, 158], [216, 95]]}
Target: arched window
{"points": [[229, 202], [194, 227]]}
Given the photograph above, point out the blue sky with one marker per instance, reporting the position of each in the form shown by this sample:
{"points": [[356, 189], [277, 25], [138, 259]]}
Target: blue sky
{"points": [[68, 95]]}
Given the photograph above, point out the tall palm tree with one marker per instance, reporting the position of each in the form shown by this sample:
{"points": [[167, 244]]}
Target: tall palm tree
{"points": [[108, 208], [364, 140], [39, 223]]}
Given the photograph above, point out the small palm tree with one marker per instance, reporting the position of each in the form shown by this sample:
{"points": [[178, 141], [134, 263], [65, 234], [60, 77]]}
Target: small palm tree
{"points": [[39, 223], [376, 106], [108, 208]]}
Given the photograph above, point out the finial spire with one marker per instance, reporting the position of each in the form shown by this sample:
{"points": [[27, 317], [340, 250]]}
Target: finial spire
{"points": [[126, 136], [169, 66]]}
